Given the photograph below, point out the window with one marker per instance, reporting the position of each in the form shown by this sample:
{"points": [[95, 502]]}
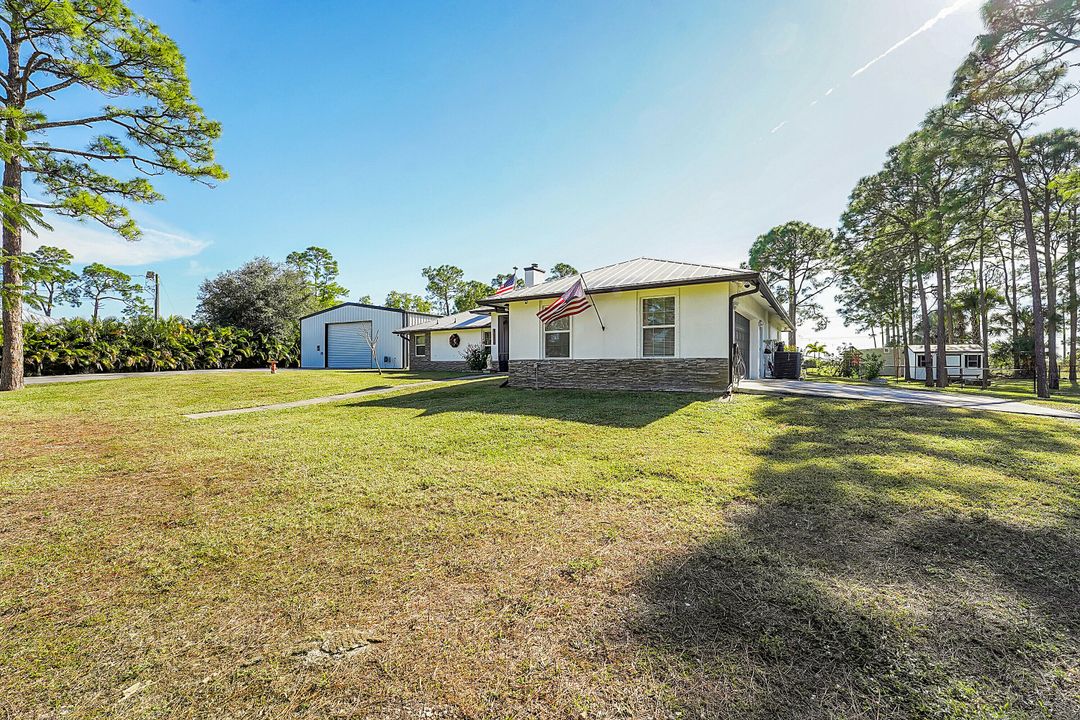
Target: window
{"points": [[421, 345], [487, 338], [658, 327], [973, 361], [920, 360], [557, 338]]}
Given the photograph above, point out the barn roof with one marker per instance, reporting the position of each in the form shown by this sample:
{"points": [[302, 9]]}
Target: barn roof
{"points": [[369, 306]]}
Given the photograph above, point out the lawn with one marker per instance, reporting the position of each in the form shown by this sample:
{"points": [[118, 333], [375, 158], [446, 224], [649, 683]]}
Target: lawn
{"points": [[464, 550], [1067, 397]]}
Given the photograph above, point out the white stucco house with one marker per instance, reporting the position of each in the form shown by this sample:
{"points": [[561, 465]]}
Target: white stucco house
{"points": [[652, 325], [440, 343]]}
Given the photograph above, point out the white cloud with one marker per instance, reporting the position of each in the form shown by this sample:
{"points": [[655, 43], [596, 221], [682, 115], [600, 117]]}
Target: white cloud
{"points": [[194, 267], [829, 91], [813, 103], [782, 124], [942, 14], [90, 243]]}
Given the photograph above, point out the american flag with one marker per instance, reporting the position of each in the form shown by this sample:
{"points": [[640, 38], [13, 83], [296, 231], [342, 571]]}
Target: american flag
{"points": [[572, 302], [507, 285]]}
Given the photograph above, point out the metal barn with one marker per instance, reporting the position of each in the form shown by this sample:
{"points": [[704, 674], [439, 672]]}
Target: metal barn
{"points": [[337, 337]]}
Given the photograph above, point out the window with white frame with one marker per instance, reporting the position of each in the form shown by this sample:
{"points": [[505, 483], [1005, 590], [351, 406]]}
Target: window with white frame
{"points": [[421, 345], [486, 338], [557, 338], [973, 361], [658, 326], [920, 360]]}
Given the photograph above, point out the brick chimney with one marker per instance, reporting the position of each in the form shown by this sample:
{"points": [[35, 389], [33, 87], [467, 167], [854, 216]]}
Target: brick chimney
{"points": [[533, 275]]}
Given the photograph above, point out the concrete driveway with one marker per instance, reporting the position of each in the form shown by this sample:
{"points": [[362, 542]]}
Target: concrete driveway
{"points": [[882, 393]]}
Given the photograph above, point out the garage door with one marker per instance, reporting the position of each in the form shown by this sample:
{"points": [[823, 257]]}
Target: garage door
{"points": [[346, 346]]}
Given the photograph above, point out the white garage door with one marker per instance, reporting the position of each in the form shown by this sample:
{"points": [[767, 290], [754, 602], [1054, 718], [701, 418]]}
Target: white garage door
{"points": [[346, 346]]}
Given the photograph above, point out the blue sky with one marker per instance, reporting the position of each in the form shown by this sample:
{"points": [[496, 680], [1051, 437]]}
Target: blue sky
{"points": [[489, 135]]}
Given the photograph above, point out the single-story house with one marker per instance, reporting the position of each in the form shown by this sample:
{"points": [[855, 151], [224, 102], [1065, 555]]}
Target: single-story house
{"points": [[338, 337], [440, 344], [650, 325], [961, 361]]}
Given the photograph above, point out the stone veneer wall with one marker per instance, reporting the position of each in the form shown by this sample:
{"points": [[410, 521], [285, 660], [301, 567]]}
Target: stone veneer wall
{"points": [[423, 364], [689, 374]]}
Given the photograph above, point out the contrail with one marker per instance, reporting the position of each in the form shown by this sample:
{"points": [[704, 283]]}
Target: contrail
{"points": [[942, 14], [778, 127]]}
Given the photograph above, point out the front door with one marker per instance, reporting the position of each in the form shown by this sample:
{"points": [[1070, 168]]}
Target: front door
{"points": [[742, 342], [503, 341]]}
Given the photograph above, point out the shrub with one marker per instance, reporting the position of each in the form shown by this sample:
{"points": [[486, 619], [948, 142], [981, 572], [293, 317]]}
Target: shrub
{"points": [[145, 344], [475, 357], [870, 367]]}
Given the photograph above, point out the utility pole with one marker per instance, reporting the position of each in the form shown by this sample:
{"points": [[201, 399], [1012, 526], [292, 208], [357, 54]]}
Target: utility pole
{"points": [[151, 275]]}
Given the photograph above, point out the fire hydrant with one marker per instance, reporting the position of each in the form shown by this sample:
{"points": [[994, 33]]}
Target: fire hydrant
{"points": [[273, 366]]}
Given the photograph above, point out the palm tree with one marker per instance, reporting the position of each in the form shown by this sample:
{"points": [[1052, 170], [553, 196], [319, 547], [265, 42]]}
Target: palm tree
{"points": [[815, 349]]}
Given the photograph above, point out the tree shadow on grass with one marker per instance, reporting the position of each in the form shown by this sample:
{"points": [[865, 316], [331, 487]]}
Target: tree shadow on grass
{"points": [[613, 409], [832, 596]]}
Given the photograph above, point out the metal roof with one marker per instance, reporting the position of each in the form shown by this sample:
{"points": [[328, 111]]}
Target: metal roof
{"points": [[370, 307], [640, 273], [458, 321]]}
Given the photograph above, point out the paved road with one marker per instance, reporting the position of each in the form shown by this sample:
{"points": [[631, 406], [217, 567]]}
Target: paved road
{"points": [[898, 395], [50, 379]]}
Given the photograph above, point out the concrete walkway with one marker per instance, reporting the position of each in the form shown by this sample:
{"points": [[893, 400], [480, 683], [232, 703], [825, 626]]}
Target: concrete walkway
{"points": [[897, 395], [336, 398]]}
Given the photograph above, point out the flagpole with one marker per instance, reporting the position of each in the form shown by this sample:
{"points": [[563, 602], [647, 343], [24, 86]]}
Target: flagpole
{"points": [[586, 289]]}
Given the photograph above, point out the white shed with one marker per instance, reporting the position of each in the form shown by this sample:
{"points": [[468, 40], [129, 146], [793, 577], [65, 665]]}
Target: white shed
{"points": [[961, 361], [337, 337]]}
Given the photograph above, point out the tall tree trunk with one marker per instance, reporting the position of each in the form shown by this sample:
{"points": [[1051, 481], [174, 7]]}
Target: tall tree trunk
{"points": [[928, 355], [941, 370], [792, 337], [11, 367], [1074, 300], [1014, 306], [1042, 389], [950, 330], [984, 315], [903, 337], [1052, 379]]}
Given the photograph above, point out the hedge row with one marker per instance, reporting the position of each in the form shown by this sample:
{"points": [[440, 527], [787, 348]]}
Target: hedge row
{"points": [[145, 344]]}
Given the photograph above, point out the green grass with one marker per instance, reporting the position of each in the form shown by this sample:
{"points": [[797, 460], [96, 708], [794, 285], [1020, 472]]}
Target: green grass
{"points": [[530, 554], [1067, 397]]}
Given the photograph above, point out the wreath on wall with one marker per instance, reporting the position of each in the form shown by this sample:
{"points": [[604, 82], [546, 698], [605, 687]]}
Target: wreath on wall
{"points": [[455, 340]]}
